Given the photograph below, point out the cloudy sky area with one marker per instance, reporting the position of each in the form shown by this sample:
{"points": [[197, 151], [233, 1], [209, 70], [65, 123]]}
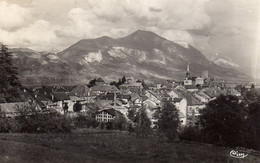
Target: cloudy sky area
{"points": [[229, 29]]}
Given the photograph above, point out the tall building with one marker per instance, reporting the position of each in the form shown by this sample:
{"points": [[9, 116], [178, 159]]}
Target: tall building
{"points": [[188, 72], [205, 74]]}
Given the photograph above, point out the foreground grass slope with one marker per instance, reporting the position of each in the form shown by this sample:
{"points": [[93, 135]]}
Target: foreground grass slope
{"points": [[107, 147]]}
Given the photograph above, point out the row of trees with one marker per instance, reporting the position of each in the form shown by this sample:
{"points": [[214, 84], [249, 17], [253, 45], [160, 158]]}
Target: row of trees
{"points": [[167, 122], [228, 121], [32, 120], [120, 82]]}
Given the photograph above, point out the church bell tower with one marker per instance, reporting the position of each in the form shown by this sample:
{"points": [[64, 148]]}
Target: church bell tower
{"points": [[188, 72]]}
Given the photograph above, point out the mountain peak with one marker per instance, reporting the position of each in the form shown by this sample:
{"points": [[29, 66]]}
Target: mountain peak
{"points": [[105, 38], [142, 34]]}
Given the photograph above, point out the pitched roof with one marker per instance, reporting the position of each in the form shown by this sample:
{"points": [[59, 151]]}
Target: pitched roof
{"points": [[59, 96], [124, 96], [190, 87], [150, 104], [131, 85], [104, 88], [100, 80], [108, 96], [191, 100], [111, 111], [177, 99], [81, 90], [43, 97]]}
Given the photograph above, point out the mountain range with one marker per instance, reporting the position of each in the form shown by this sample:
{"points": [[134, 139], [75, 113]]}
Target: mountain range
{"points": [[142, 55]]}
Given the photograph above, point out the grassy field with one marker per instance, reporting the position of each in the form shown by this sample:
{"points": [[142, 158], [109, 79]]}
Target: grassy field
{"points": [[92, 146]]}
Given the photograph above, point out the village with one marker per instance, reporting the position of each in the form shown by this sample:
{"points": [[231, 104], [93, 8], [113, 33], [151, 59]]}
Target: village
{"points": [[109, 101]]}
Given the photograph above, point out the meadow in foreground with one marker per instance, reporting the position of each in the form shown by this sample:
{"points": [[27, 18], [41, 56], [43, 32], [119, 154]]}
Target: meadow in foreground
{"points": [[115, 146]]}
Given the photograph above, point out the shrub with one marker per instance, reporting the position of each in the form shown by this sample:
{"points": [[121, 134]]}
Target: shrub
{"points": [[119, 123], [8, 125], [43, 123], [109, 125], [84, 121], [190, 133]]}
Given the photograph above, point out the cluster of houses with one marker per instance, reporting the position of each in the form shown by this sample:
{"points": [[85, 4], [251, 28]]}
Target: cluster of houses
{"points": [[108, 101]]}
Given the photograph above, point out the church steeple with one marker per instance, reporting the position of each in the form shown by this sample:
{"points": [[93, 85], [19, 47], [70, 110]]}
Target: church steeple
{"points": [[188, 72]]}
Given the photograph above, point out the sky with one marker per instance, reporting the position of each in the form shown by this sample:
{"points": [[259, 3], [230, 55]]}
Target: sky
{"points": [[228, 29]]}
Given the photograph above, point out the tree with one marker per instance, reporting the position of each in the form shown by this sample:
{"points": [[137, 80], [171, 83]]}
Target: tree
{"points": [[252, 96], [252, 86], [123, 79], [143, 123], [9, 83], [77, 107], [120, 82], [92, 83], [168, 121], [113, 83], [222, 121], [119, 123], [253, 126], [198, 86], [131, 114]]}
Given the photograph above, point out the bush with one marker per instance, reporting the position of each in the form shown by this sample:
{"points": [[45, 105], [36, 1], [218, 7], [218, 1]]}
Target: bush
{"points": [[43, 123], [109, 125], [31, 120], [190, 133], [40, 123], [84, 121], [119, 123], [8, 125]]}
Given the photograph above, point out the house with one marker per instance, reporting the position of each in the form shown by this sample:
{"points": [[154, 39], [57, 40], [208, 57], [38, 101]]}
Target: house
{"points": [[108, 96], [61, 99], [202, 97], [194, 106], [43, 100], [81, 91], [187, 82], [214, 92], [132, 86], [199, 81], [191, 88], [181, 106], [154, 97], [115, 104], [107, 115], [137, 99], [174, 93], [150, 104], [103, 89]]}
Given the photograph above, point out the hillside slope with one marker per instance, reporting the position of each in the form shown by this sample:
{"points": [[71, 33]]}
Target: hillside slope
{"points": [[142, 55]]}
